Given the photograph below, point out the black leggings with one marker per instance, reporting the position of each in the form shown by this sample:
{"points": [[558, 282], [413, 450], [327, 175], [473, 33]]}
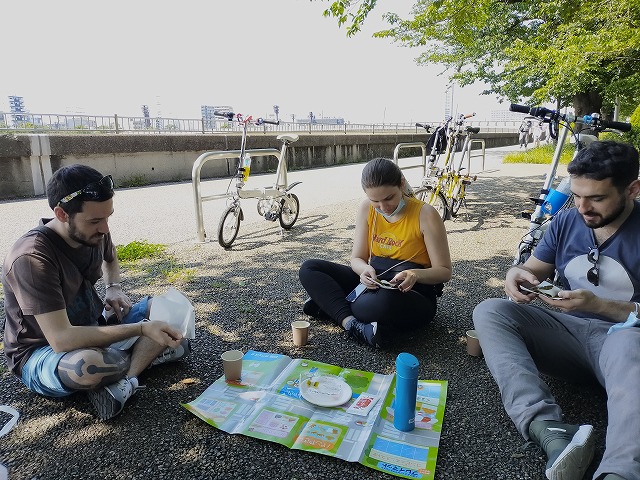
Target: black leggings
{"points": [[328, 284]]}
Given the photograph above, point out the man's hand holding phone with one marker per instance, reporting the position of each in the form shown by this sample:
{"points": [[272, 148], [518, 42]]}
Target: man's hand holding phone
{"points": [[545, 288]]}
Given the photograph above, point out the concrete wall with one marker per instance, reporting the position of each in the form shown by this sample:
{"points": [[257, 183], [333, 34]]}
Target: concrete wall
{"points": [[27, 161]]}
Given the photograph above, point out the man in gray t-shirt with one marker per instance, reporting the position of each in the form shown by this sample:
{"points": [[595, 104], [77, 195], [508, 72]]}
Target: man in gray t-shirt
{"points": [[596, 252], [57, 340]]}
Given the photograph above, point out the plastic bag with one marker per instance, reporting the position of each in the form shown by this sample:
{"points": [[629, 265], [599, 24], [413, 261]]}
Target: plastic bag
{"points": [[174, 308]]}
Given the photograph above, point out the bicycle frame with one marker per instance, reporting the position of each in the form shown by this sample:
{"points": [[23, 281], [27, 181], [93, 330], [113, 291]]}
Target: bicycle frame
{"points": [[448, 182], [272, 200]]}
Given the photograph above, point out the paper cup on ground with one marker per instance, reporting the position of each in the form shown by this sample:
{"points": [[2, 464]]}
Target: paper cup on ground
{"points": [[300, 331], [473, 344], [232, 363]]}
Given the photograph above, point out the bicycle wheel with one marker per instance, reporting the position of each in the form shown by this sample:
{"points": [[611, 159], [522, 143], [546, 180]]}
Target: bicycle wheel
{"points": [[229, 225], [290, 207], [439, 202]]}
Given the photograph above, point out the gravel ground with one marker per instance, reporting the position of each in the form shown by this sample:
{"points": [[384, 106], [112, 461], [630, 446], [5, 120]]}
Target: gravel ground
{"points": [[246, 298]]}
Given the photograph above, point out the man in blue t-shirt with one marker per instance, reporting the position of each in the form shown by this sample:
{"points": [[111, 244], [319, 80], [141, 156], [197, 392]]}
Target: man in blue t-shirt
{"points": [[595, 249]]}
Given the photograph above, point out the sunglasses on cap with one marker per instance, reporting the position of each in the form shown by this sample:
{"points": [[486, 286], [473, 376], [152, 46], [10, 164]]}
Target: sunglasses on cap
{"points": [[593, 276], [94, 191]]}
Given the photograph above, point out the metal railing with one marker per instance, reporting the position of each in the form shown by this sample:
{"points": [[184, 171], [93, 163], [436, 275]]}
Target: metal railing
{"points": [[97, 124]]}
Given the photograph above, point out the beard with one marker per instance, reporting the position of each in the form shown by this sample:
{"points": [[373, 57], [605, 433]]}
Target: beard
{"points": [[77, 236], [601, 221]]}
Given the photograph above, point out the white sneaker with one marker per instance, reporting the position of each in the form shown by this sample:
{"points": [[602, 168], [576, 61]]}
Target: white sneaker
{"points": [[109, 401], [173, 354]]}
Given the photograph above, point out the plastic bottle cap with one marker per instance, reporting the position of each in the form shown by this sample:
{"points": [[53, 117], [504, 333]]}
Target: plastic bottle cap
{"points": [[407, 365]]}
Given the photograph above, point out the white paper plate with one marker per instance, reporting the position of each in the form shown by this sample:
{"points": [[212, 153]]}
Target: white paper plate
{"points": [[325, 391]]}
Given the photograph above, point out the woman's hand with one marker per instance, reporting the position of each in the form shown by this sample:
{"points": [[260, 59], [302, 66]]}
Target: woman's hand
{"points": [[405, 280], [368, 276]]}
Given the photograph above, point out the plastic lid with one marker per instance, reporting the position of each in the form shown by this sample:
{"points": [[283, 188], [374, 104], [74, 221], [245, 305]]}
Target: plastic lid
{"points": [[407, 365]]}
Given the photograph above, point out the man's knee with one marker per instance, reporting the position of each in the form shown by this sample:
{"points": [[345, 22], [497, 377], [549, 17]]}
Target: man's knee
{"points": [[488, 310], [621, 349], [93, 367]]}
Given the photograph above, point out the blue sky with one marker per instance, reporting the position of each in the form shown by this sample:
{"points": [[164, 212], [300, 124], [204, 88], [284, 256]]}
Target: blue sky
{"points": [[112, 57]]}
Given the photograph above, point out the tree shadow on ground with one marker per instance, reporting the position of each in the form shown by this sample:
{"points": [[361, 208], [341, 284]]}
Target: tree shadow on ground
{"points": [[246, 297]]}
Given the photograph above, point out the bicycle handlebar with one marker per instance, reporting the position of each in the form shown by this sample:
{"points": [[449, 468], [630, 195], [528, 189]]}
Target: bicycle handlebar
{"points": [[228, 115], [548, 115], [622, 126], [424, 125]]}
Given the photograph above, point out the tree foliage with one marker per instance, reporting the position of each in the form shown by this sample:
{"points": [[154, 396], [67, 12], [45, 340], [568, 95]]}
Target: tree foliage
{"points": [[566, 51]]}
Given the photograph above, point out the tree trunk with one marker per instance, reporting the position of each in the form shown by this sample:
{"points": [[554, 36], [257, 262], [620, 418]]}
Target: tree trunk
{"points": [[587, 103]]}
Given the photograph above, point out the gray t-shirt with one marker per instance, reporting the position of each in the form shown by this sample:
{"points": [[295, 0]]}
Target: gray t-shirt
{"points": [[42, 274], [567, 243]]}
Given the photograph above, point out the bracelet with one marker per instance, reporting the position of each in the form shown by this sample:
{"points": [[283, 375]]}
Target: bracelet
{"points": [[109, 285], [143, 321], [637, 310]]}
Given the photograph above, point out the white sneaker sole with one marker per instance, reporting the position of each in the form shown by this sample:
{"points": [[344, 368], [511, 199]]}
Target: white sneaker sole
{"points": [[575, 458]]}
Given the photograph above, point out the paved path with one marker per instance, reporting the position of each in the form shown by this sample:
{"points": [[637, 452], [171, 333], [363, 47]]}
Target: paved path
{"points": [[165, 213]]}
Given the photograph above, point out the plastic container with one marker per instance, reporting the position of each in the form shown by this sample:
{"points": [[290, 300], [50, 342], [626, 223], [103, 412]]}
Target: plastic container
{"points": [[558, 197], [404, 414]]}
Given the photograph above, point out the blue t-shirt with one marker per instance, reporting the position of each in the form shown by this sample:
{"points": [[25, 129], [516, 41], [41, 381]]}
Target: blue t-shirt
{"points": [[567, 243]]}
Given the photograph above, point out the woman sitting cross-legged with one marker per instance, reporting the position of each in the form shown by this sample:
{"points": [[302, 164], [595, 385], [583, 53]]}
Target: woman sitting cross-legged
{"points": [[398, 239]]}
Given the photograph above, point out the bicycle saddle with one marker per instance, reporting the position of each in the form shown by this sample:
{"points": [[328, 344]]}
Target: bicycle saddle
{"points": [[288, 137], [472, 129]]}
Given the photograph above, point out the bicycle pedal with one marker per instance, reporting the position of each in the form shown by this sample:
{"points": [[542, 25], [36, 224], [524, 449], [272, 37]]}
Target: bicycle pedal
{"points": [[270, 216], [526, 213]]}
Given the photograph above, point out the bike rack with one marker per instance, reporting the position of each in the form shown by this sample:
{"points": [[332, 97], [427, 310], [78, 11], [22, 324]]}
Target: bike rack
{"points": [[482, 143], [218, 155], [420, 145]]}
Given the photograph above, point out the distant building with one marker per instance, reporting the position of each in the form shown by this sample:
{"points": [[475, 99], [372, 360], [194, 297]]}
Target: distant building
{"points": [[323, 121], [506, 116], [16, 105], [80, 122], [209, 119]]}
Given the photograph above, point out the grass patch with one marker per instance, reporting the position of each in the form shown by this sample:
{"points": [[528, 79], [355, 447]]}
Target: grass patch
{"points": [[133, 181], [150, 261], [175, 272], [138, 249], [540, 155]]}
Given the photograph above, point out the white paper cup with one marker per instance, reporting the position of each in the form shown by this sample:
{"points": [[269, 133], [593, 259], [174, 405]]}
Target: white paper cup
{"points": [[232, 363], [300, 330], [473, 344]]}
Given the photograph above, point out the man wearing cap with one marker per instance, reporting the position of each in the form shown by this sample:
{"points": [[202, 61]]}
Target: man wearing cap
{"points": [[60, 337]]}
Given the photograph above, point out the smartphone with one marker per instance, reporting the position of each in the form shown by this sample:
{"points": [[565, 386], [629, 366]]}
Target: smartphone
{"points": [[356, 292], [544, 288], [385, 284]]}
